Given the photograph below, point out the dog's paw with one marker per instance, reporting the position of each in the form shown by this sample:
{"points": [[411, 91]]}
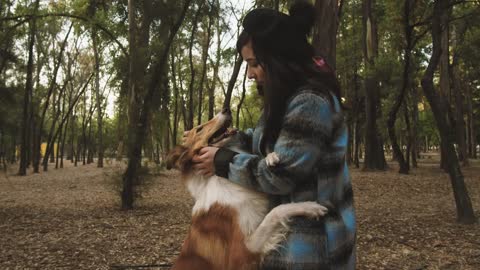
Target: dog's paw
{"points": [[313, 209], [272, 159], [284, 212]]}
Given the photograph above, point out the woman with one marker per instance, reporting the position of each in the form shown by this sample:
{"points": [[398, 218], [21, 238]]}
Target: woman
{"points": [[303, 124]]}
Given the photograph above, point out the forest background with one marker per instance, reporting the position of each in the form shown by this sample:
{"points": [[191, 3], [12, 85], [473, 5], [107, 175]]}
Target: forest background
{"points": [[124, 79], [93, 81]]}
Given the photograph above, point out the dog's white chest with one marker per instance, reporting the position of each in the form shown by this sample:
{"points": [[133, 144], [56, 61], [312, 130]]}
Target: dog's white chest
{"points": [[251, 206]]}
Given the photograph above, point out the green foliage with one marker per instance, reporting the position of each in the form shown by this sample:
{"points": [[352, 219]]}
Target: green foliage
{"points": [[113, 17], [427, 126], [10, 107], [251, 109]]}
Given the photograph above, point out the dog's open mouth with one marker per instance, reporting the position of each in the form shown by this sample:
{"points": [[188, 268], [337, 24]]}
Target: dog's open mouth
{"points": [[222, 133]]}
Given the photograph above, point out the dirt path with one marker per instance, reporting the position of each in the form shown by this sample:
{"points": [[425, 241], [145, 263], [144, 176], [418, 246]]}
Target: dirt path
{"points": [[409, 221], [70, 219]]}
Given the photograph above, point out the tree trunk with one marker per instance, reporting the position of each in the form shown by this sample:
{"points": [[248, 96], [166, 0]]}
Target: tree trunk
{"points": [[231, 83], [57, 153], [61, 134], [63, 139], [459, 121], [392, 116], [55, 114], [121, 131], [175, 94], [206, 45], [357, 137], [72, 138], [242, 98], [51, 141], [51, 88], [408, 135], [374, 156], [49, 150], [415, 141], [83, 142], [137, 69], [471, 124], [86, 134], [182, 102], [455, 72], [35, 107], [192, 69], [3, 151], [445, 90], [90, 147], [211, 89], [27, 98], [138, 127], [357, 110], [325, 30], [438, 104], [98, 98], [13, 154]]}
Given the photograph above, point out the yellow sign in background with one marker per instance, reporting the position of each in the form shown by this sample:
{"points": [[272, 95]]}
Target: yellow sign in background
{"points": [[43, 149]]}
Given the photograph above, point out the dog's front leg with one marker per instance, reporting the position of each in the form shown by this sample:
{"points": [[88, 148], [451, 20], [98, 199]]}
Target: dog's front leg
{"points": [[274, 226]]}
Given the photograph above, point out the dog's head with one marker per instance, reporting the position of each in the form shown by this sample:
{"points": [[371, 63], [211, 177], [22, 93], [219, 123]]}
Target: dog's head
{"points": [[212, 132]]}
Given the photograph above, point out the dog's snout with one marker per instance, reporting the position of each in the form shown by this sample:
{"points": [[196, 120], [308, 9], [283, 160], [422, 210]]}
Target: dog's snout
{"points": [[226, 111]]}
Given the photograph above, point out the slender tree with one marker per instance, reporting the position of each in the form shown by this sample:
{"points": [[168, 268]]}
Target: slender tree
{"points": [[414, 134], [231, 82], [191, 105], [460, 128], [392, 116], [242, 98], [51, 89], [98, 99], [438, 104], [216, 65], [140, 98], [445, 89], [67, 113], [27, 97], [325, 29], [175, 98], [206, 40], [374, 156]]}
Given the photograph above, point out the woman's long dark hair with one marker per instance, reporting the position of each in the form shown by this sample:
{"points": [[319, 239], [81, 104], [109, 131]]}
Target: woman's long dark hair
{"points": [[283, 78]]}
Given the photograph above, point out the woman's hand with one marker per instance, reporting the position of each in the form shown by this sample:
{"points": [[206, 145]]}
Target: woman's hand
{"points": [[204, 161]]}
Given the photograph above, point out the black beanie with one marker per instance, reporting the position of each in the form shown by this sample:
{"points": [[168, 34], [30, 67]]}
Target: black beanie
{"points": [[280, 34]]}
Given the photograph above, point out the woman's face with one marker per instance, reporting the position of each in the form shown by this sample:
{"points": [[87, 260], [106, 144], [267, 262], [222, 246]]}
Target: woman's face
{"points": [[255, 70]]}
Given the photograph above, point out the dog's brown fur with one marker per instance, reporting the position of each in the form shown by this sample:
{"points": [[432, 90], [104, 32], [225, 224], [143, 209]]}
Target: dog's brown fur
{"points": [[227, 232], [215, 240]]}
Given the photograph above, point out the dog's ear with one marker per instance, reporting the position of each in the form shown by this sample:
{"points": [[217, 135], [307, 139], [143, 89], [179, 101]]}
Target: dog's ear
{"points": [[179, 158], [174, 155]]}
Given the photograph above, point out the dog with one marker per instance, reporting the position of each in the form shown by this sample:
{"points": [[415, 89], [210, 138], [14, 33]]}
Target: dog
{"points": [[232, 227]]}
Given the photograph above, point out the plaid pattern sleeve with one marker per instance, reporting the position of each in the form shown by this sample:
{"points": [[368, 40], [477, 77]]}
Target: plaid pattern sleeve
{"points": [[301, 145], [311, 148]]}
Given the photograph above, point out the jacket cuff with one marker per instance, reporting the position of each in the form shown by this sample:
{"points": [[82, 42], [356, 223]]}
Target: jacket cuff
{"points": [[222, 160]]}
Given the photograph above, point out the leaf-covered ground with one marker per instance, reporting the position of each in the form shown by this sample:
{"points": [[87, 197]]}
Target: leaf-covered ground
{"points": [[70, 219]]}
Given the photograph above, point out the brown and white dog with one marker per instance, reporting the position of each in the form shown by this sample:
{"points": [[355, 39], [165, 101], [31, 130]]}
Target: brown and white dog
{"points": [[231, 228]]}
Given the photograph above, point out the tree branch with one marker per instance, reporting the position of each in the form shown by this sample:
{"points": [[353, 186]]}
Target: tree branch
{"points": [[27, 17]]}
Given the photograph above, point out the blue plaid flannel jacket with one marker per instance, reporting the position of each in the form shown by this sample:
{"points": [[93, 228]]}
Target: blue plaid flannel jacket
{"points": [[311, 147]]}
